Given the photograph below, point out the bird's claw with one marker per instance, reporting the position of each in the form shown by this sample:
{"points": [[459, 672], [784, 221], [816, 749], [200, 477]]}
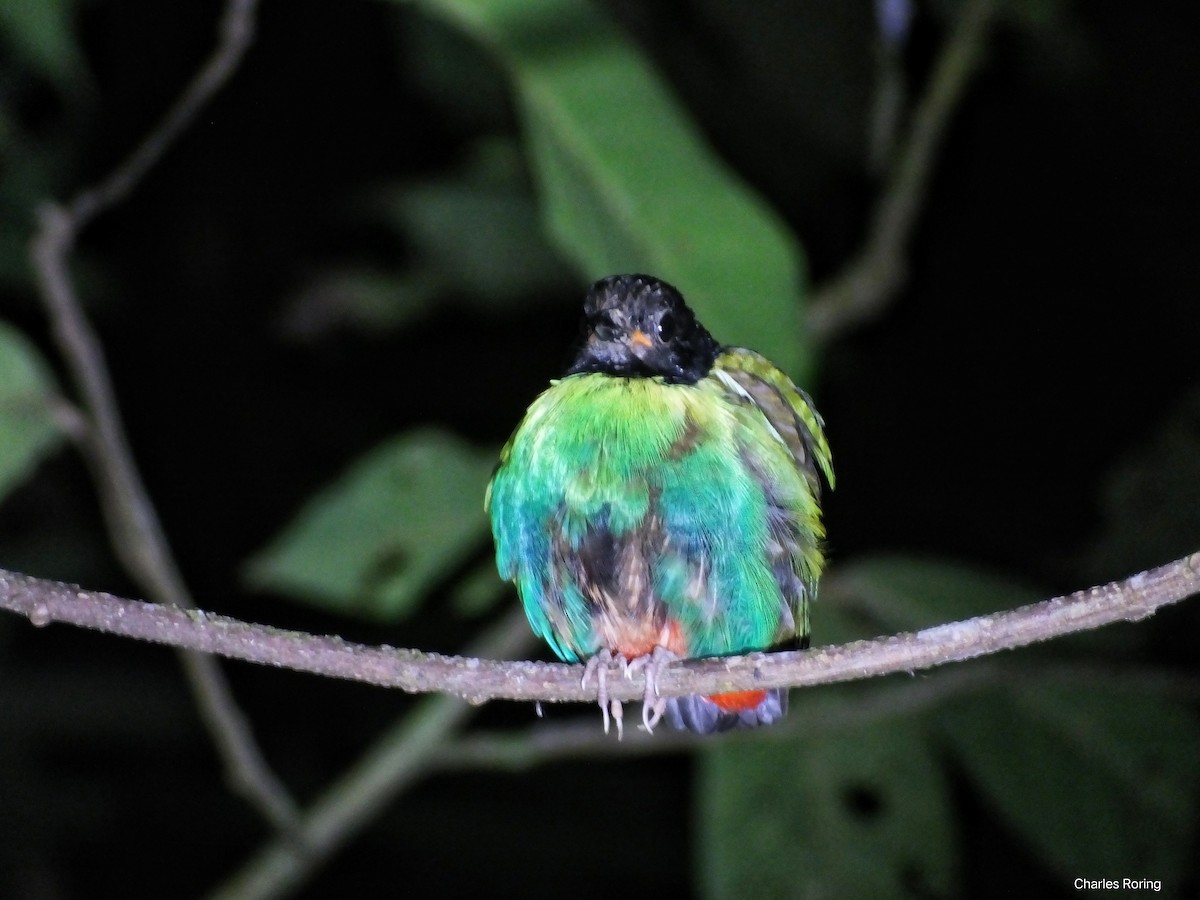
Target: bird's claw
{"points": [[597, 667], [654, 663]]}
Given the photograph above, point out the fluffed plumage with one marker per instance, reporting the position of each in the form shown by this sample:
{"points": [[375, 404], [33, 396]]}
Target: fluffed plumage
{"points": [[664, 493]]}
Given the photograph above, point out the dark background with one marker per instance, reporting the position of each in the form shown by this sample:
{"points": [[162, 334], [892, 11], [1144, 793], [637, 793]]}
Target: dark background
{"points": [[1030, 402]]}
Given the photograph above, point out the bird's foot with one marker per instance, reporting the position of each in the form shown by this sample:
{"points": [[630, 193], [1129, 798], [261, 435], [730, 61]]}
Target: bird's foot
{"points": [[654, 663], [597, 667]]}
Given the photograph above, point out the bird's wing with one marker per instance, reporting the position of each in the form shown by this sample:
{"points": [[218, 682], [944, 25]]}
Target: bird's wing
{"points": [[788, 410]]}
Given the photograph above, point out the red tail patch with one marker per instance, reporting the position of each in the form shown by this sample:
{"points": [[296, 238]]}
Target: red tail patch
{"points": [[738, 701]]}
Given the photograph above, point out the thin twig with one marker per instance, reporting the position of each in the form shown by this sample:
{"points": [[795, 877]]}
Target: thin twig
{"points": [[866, 284], [134, 529], [235, 34], [479, 680]]}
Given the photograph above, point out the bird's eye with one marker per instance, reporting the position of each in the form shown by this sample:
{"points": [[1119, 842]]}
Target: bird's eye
{"points": [[666, 327]]}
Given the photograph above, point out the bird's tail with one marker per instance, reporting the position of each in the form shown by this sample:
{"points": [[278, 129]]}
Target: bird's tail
{"points": [[721, 712]]}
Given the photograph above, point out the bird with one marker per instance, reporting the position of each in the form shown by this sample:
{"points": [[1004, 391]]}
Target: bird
{"points": [[661, 501]]}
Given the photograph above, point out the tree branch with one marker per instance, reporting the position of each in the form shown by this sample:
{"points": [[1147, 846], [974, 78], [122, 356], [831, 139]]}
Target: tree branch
{"points": [[420, 741], [479, 680], [820, 714], [134, 530], [867, 283], [815, 716]]}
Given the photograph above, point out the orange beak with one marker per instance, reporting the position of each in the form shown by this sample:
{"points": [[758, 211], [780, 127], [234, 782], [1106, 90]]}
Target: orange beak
{"points": [[639, 338]]}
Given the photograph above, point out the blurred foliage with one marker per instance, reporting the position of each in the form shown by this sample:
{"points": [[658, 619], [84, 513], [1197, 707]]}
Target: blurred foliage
{"points": [[378, 539], [473, 237], [566, 148], [867, 811], [38, 56], [1151, 498], [861, 814], [28, 430], [1071, 768], [903, 593], [646, 194], [42, 37]]}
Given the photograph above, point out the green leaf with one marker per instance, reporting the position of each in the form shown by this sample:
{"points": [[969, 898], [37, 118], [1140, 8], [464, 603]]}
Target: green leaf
{"points": [[905, 594], [471, 237], [864, 813], [627, 181], [359, 296], [448, 68], [31, 169], [1100, 782], [1150, 507], [28, 430], [895, 593], [480, 239], [398, 521], [42, 33], [478, 590]]}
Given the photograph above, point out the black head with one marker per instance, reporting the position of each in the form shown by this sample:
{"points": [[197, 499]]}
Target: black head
{"points": [[638, 326]]}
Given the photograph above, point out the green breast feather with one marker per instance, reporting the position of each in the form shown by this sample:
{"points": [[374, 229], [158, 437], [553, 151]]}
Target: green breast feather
{"points": [[696, 502]]}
